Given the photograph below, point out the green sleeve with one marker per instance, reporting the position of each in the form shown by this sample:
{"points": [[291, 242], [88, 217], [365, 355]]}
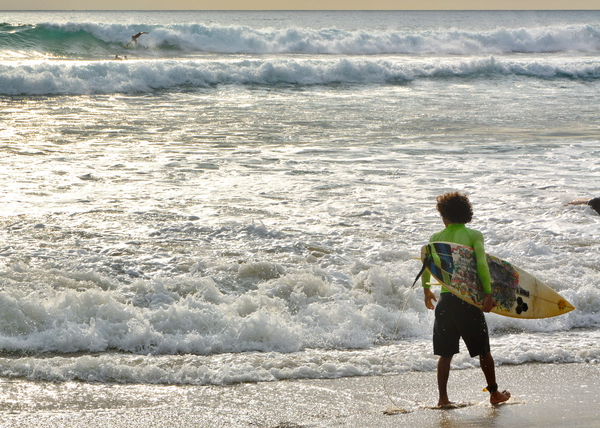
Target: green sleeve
{"points": [[482, 267], [425, 278]]}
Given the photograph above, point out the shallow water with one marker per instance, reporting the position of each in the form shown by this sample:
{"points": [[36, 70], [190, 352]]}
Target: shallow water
{"points": [[254, 212], [539, 399]]}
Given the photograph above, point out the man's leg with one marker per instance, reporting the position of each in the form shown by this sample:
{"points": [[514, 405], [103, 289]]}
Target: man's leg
{"points": [[443, 374], [487, 365]]}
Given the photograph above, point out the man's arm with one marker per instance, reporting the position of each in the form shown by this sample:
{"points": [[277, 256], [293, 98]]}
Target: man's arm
{"points": [[428, 294], [483, 271]]}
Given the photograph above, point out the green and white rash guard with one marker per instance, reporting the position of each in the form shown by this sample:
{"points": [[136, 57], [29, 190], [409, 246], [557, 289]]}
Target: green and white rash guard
{"points": [[460, 234]]}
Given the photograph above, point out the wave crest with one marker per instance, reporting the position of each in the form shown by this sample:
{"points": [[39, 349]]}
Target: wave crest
{"points": [[85, 77], [74, 38]]}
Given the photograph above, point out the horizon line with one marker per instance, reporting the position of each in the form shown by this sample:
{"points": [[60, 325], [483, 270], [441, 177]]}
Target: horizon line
{"points": [[304, 10]]}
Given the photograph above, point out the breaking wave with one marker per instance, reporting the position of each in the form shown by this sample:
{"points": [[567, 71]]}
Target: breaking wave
{"points": [[135, 76], [89, 39]]}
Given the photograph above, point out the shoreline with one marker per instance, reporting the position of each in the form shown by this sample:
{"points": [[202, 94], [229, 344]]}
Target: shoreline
{"points": [[543, 395]]}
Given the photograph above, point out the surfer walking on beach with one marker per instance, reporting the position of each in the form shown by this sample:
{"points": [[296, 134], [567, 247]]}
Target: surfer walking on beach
{"points": [[455, 318]]}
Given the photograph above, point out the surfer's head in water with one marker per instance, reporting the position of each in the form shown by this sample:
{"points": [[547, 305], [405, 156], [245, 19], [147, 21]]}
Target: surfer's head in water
{"points": [[455, 207], [595, 204]]}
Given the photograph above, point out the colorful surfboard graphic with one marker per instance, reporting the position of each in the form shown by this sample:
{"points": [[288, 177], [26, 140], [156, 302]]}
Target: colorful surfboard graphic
{"points": [[517, 293]]}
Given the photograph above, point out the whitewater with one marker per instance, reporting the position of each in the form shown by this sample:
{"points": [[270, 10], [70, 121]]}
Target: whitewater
{"points": [[244, 196]]}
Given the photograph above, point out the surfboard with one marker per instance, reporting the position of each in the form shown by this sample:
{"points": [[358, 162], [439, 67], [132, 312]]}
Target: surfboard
{"points": [[517, 293]]}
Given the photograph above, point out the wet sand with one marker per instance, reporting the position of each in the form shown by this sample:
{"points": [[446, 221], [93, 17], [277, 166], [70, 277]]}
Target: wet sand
{"points": [[544, 395]]}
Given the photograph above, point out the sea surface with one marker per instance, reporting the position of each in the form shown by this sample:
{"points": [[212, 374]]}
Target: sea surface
{"points": [[244, 197]]}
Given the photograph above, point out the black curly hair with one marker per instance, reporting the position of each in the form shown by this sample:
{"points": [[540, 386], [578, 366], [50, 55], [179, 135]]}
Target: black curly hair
{"points": [[455, 207]]}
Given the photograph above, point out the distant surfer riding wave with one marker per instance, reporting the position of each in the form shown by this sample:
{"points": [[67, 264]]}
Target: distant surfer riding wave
{"points": [[134, 38]]}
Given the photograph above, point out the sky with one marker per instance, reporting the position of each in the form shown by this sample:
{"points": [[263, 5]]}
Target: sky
{"points": [[298, 5]]}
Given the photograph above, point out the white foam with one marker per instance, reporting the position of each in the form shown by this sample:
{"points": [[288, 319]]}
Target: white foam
{"points": [[106, 77], [407, 355], [288, 313]]}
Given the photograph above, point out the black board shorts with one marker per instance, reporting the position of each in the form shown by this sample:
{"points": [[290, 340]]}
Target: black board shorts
{"points": [[455, 318]]}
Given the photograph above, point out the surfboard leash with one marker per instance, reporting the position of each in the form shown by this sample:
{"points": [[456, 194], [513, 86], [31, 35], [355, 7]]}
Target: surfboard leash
{"points": [[397, 408]]}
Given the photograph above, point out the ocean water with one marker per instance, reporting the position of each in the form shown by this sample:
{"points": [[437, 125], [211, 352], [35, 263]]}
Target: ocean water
{"points": [[244, 197]]}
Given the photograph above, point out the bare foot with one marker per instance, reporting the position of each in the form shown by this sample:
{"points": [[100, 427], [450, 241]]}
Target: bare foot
{"points": [[499, 397], [444, 404]]}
